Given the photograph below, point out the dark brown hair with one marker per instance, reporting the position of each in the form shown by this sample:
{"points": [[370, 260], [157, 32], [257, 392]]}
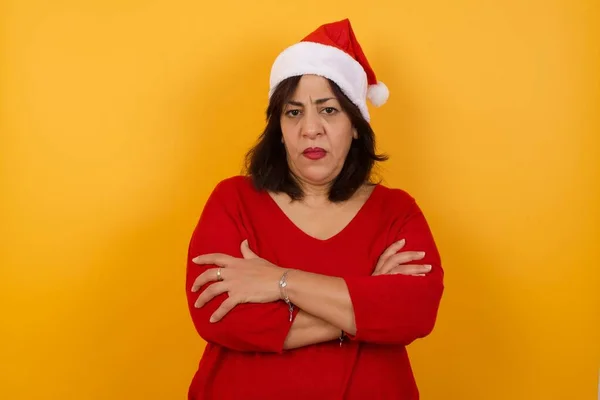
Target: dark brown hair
{"points": [[267, 165]]}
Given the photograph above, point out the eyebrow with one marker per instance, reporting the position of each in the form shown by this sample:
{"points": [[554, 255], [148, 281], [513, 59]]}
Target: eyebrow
{"points": [[318, 101]]}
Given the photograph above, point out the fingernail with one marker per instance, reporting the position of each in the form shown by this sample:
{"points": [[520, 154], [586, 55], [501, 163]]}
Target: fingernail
{"points": [[196, 305], [212, 319], [402, 241], [194, 289], [422, 253], [428, 267]]}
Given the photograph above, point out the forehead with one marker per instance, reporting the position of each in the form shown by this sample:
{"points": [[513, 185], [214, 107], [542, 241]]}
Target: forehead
{"points": [[313, 86]]}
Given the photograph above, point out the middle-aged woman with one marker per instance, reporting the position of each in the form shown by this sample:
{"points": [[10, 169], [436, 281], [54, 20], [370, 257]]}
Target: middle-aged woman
{"points": [[307, 280]]}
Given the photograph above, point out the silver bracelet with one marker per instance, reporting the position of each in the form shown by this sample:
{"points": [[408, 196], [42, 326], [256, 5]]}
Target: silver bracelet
{"points": [[283, 291]]}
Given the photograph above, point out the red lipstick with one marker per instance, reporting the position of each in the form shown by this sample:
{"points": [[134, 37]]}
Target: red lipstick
{"points": [[314, 153]]}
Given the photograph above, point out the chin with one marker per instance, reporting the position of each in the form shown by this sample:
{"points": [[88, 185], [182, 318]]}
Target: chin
{"points": [[318, 176]]}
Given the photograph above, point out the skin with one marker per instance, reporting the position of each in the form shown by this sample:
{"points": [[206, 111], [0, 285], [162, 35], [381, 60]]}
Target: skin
{"points": [[313, 118]]}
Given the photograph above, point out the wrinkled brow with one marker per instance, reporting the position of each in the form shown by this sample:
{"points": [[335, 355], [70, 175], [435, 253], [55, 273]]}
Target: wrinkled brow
{"points": [[318, 101]]}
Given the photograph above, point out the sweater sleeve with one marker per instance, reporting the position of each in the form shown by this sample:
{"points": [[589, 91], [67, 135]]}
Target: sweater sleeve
{"points": [[398, 309], [248, 327]]}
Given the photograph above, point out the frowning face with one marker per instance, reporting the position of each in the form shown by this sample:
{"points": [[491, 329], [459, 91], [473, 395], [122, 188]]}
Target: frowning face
{"points": [[317, 133]]}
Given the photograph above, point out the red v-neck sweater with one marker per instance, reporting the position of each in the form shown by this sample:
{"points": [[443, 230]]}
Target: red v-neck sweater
{"points": [[244, 356]]}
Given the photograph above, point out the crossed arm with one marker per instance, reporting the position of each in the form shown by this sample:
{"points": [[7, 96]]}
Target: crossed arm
{"points": [[307, 330], [388, 308]]}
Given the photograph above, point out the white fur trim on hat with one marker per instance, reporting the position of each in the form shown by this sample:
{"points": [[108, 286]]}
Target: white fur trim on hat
{"points": [[327, 61]]}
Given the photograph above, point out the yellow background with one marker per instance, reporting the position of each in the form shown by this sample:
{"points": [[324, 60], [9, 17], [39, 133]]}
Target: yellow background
{"points": [[118, 117]]}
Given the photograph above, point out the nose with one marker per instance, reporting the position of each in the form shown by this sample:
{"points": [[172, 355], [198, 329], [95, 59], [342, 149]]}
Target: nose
{"points": [[313, 126]]}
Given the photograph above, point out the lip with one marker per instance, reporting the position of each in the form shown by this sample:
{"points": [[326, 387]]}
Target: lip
{"points": [[314, 153]]}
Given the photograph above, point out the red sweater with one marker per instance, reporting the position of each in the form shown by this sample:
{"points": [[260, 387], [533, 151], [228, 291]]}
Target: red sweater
{"points": [[244, 356]]}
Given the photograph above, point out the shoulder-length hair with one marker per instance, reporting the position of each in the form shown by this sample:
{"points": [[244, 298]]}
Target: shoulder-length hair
{"points": [[267, 165]]}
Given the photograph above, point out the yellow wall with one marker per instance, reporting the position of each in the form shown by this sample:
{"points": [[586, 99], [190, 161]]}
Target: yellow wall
{"points": [[118, 117]]}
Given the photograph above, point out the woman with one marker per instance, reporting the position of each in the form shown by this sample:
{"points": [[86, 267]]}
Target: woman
{"points": [[306, 280]]}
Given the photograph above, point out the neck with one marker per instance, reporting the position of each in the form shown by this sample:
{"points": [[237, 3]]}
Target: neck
{"points": [[315, 194]]}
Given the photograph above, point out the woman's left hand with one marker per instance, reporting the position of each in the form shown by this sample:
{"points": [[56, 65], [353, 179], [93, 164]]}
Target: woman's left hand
{"points": [[246, 280]]}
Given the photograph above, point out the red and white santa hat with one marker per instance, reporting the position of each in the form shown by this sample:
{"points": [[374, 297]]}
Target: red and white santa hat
{"points": [[333, 52]]}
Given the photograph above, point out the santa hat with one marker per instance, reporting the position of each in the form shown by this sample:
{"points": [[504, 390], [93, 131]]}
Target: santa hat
{"points": [[333, 52]]}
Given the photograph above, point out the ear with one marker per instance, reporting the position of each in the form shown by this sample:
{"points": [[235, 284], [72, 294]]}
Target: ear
{"points": [[354, 133]]}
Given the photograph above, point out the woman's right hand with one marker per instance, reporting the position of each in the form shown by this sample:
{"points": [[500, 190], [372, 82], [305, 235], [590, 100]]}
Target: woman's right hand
{"points": [[391, 262]]}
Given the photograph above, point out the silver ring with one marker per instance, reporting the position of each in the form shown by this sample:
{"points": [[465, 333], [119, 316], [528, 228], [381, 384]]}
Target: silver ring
{"points": [[219, 277]]}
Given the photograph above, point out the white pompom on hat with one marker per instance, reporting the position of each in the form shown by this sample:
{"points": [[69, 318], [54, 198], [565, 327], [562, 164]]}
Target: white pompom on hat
{"points": [[333, 52]]}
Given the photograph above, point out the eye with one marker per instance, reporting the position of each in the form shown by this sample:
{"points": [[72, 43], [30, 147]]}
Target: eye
{"points": [[292, 113], [330, 110]]}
